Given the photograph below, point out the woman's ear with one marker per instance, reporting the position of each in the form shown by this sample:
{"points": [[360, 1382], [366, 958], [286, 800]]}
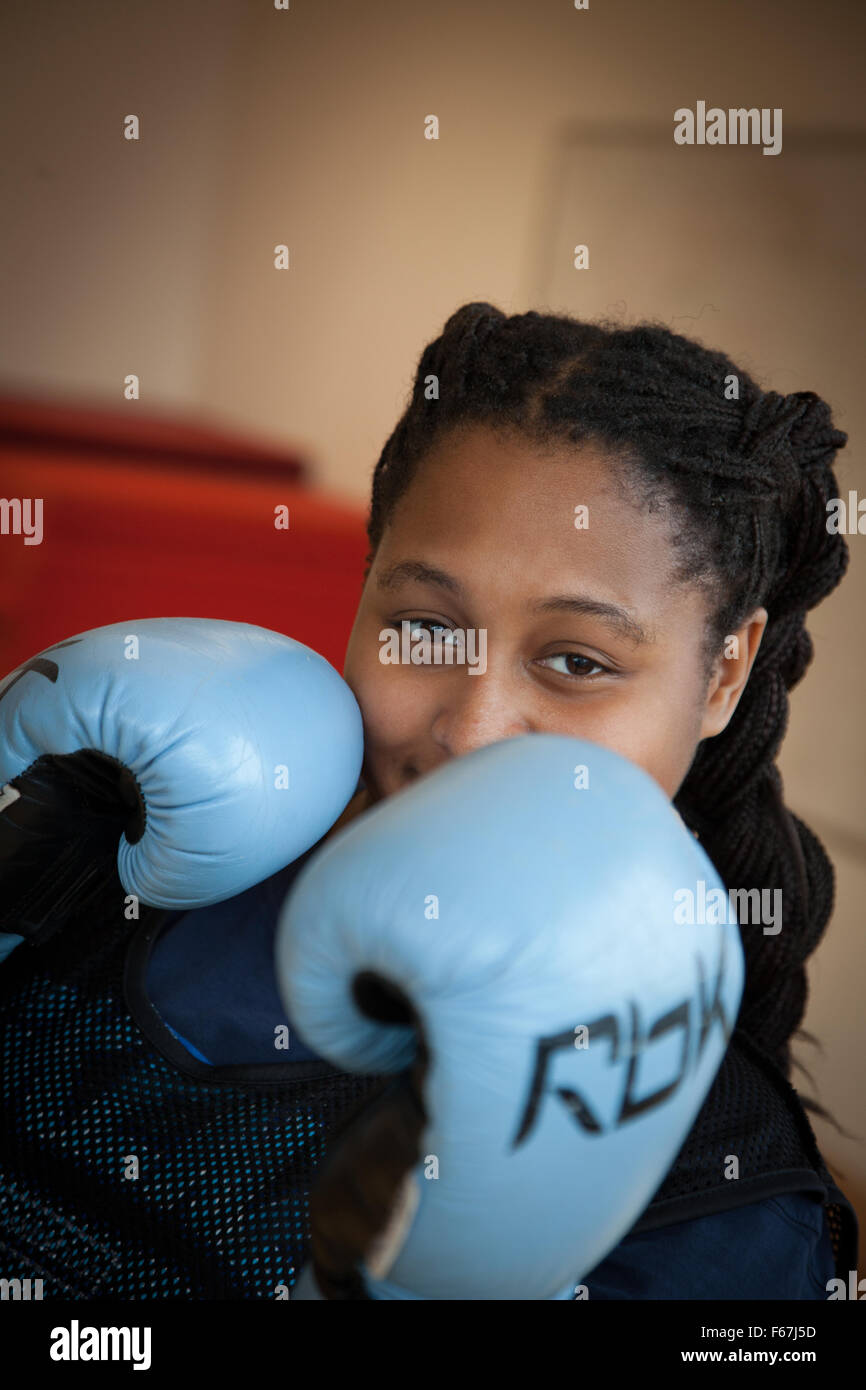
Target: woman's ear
{"points": [[730, 673]]}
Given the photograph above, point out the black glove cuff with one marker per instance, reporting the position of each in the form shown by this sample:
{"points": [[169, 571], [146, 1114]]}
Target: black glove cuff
{"points": [[60, 825]]}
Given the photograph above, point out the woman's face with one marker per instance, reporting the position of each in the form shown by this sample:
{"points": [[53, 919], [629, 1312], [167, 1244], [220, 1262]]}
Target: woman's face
{"points": [[586, 634]]}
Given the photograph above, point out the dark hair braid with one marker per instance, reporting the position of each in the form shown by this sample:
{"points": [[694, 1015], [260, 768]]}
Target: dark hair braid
{"points": [[745, 483]]}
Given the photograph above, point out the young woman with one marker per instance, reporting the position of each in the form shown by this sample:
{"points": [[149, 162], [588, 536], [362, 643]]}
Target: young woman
{"points": [[639, 531]]}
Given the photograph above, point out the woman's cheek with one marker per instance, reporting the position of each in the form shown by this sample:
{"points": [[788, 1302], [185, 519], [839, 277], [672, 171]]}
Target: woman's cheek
{"points": [[391, 703], [655, 739]]}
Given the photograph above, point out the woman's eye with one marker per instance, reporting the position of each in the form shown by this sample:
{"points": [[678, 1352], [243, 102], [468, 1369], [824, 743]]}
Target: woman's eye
{"points": [[429, 623], [569, 657], [577, 666]]}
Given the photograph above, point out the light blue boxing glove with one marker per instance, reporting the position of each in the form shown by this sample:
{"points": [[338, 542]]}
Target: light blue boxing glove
{"points": [[201, 755], [510, 947]]}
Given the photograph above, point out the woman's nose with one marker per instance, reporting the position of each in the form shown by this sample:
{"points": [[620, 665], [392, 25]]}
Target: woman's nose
{"points": [[478, 710]]}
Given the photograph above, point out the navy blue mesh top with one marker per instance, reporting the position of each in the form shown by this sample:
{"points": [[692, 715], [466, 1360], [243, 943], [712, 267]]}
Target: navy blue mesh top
{"points": [[211, 979]]}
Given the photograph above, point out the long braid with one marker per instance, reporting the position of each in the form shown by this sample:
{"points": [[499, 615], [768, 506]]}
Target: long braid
{"points": [[749, 833], [746, 482]]}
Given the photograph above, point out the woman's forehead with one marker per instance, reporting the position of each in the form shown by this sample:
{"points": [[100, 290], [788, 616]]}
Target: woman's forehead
{"points": [[466, 511]]}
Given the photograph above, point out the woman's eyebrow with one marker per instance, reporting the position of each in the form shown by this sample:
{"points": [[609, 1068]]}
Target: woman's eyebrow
{"points": [[423, 573], [614, 616], [611, 614]]}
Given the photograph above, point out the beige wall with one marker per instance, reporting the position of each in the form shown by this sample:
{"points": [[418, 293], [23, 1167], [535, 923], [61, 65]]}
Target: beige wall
{"points": [[260, 127]]}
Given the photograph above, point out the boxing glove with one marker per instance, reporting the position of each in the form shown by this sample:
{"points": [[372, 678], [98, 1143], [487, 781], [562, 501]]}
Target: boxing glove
{"points": [[510, 944], [200, 756]]}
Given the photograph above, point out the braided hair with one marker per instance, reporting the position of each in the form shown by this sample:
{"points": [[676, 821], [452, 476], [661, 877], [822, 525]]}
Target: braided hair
{"points": [[746, 481]]}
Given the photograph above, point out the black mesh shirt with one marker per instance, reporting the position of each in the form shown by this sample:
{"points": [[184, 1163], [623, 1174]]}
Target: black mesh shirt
{"points": [[129, 1170]]}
